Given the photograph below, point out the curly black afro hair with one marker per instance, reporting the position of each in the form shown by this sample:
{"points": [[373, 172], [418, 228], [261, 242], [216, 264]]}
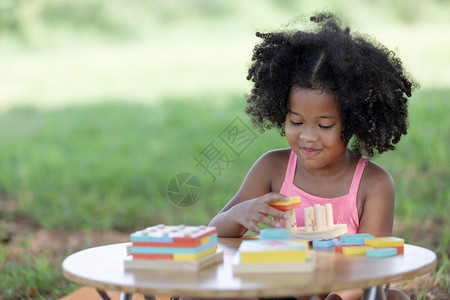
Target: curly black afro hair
{"points": [[367, 78]]}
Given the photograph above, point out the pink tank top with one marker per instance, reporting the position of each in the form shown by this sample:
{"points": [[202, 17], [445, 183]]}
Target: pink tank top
{"points": [[345, 210]]}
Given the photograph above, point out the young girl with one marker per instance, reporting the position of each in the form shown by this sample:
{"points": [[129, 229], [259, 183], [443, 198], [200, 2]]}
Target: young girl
{"points": [[339, 98]]}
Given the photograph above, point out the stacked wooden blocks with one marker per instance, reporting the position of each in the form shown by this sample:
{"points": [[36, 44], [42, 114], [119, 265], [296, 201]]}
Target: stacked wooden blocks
{"points": [[273, 256], [319, 217], [289, 207], [177, 248]]}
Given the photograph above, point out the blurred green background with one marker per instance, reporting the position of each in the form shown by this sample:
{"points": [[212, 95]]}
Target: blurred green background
{"points": [[102, 103]]}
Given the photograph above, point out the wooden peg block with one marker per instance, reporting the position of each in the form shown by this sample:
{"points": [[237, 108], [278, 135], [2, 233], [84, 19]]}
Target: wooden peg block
{"points": [[320, 217], [309, 219], [329, 215]]}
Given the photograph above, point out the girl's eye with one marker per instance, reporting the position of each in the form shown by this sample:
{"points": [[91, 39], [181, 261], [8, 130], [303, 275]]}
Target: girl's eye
{"points": [[326, 127], [296, 123]]}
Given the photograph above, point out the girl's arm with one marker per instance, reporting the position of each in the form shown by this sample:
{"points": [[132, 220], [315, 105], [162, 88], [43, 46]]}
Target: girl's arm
{"points": [[377, 212], [250, 205]]}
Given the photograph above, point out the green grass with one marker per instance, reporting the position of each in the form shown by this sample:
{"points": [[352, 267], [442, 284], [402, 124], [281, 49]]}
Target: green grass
{"points": [[108, 165], [420, 163], [33, 277]]}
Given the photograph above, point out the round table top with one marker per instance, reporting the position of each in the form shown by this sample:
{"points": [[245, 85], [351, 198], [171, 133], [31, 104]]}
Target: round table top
{"points": [[103, 268]]}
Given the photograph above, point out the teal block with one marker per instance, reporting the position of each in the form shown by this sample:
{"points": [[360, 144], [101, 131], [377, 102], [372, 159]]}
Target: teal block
{"points": [[355, 239], [173, 250], [381, 252], [274, 234]]}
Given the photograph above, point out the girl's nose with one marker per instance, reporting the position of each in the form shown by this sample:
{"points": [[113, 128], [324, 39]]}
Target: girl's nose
{"points": [[308, 134]]}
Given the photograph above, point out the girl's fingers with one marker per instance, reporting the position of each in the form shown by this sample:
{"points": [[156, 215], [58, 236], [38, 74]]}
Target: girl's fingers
{"points": [[270, 222]]}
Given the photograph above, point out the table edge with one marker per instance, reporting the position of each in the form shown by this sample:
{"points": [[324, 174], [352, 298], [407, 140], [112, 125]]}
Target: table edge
{"points": [[364, 283]]}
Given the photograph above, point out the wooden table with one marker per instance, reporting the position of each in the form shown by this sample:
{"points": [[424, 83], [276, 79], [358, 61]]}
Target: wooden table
{"points": [[102, 268]]}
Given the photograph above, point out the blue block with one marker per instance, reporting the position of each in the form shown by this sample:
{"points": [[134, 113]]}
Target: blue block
{"points": [[355, 239], [381, 252], [173, 250], [274, 234], [324, 243]]}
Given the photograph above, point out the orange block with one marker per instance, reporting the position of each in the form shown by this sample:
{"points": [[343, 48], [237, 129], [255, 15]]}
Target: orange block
{"points": [[292, 203]]}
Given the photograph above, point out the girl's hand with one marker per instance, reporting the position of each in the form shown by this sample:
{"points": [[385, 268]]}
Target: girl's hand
{"points": [[251, 212]]}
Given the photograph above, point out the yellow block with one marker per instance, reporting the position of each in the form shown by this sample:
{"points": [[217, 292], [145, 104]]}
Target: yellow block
{"points": [[275, 256], [196, 256], [273, 251], [355, 250], [292, 200], [205, 240], [385, 242]]}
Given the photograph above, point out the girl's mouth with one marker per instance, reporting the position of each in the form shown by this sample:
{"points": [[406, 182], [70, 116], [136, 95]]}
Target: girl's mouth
{"points": [[309, 152]]}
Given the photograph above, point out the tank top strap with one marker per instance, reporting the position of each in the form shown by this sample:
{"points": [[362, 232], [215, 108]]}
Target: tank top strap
{"points": [[358, 175], [291, 167]]}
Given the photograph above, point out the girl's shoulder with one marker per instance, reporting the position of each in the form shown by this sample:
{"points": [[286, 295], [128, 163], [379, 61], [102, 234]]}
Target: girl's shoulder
{"points": [[274, 162], [273, 165], [275, 158], [375, 176]]}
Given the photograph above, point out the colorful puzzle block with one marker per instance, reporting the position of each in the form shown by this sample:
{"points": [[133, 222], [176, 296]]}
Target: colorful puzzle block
{"points": [[355, 239], [273, 256], [188, 247], [272, 251], [292, 203], [289, 207], [385, 242], [381, 252], [339, 245], [274, 234], [355, 250]]}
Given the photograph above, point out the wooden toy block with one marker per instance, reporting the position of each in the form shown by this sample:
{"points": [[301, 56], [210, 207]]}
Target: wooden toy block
{"points": [[274, 234], [151, 256], [385, 242], [355, 250], [272, 251], [400, 250], [338, 246], [177, 248], [288, 206], [319, 224], [381, 252], [195, 256], [180, 235], [274, 268], [355, 239], [293, 202], [328, 234], [329, 215], [324, 243], [173, 265], [310, 223], [177, 244], [173, 250], [320, 217]]}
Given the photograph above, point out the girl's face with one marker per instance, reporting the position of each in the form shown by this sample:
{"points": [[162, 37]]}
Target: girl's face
{"points": [[313, 127]]}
